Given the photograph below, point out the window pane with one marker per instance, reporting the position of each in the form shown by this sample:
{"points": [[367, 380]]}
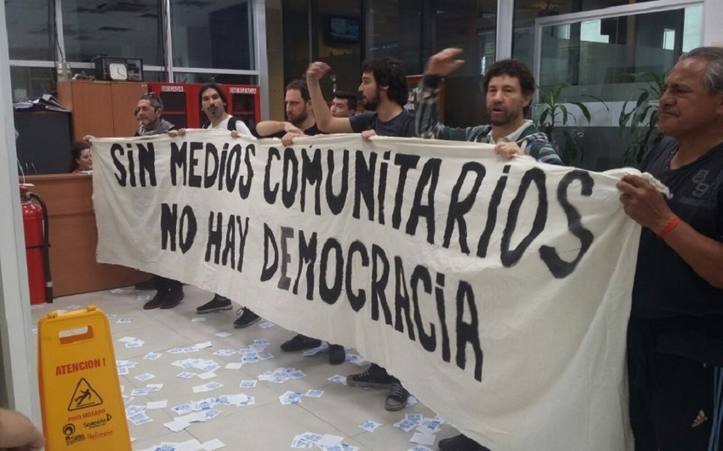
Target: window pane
{"points": [[413, 30], [186, 77], [606, 64], [393, 28], [31, 82], [216, 34], [470, 25], [600, 57], [85, 74], [692, 23], [29, 36], [336, 38], [153, 76], [126, 29], [526, 11]]}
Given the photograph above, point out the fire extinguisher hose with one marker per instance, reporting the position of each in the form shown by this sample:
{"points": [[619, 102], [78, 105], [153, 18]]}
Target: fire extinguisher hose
{"points": [[45, 246]]}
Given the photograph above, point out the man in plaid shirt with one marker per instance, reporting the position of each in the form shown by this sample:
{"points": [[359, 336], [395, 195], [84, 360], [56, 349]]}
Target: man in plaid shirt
{"points": [[509, 87]]}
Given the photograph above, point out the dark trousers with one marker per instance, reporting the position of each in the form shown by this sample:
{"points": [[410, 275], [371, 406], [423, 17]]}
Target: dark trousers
{"points": [[165, 284], [672, 406]]}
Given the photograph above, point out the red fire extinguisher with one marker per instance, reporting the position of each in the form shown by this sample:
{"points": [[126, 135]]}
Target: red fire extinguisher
{"points": [[37, 244]]}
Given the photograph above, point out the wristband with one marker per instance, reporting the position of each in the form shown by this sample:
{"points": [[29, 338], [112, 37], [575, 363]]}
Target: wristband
{"points": [[669, 226]]}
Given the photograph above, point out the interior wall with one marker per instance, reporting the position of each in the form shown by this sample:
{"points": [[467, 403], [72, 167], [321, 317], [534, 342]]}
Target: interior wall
{"points": [[275, 52]]}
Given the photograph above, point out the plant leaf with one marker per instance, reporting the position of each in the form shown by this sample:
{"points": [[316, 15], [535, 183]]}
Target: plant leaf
{"points": [[642, 98], [624, 116], [598, 99], [565, 115], [583, 108], [544, 115]]}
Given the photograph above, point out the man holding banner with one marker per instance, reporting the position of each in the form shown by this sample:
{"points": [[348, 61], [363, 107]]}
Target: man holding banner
{"points": [[675, 337], [509, 87], [213, 104], [301, 123], [384, 91], [148, 114], [300, 119]]}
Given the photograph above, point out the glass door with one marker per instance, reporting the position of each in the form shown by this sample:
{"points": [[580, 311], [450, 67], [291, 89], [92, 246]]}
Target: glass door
{"points": [[599, 55], [605, 60]]}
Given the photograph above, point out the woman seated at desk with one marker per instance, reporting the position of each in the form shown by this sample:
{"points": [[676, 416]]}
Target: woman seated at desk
{"points": [[82, 159]]}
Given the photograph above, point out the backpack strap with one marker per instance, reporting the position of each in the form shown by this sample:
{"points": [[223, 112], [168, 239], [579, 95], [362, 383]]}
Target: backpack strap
{"points": [[232, 123]]}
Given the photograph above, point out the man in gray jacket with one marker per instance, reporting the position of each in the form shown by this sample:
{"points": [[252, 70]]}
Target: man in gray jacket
{"points": [[148, 114]]}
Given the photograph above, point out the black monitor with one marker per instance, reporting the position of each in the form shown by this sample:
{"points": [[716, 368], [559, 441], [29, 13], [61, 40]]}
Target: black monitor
{"points": [[343, 30]]}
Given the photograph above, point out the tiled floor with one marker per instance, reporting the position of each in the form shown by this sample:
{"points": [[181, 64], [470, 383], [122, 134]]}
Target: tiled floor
{"points": [[266, 425]]}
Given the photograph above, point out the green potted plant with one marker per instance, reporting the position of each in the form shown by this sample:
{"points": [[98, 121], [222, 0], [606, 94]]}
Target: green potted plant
{"points": [[637, 124], [552, 112]]}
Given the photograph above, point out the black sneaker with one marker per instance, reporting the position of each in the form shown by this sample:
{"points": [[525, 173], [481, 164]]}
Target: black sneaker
{"points": [[155, 302], [300, 342], [171, 299], [214, 305], [337, 354], [374, 377], [245, 318], [146, 285], [460, 443], [397, 397]]}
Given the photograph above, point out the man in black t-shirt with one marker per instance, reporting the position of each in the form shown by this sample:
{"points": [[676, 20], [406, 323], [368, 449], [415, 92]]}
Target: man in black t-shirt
{"points": [[299, 122], [384, 91], [299, 116], [675, 336]]}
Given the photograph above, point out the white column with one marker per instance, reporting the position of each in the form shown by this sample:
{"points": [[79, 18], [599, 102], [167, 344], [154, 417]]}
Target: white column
{"points": [[505, 25], [262, 62], [16, 339], [168, 38]]}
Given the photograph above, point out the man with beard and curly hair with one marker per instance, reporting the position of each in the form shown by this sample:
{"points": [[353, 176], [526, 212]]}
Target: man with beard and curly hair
{"points": [[383, 91]]}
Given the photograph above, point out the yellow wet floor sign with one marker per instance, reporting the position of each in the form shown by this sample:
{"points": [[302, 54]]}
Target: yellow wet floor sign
{"points": [[79, 390]]}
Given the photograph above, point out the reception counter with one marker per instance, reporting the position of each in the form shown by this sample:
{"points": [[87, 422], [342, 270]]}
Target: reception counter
{"points": [[73, 237]]}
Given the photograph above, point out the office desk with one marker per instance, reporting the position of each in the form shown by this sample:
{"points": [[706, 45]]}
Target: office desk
{"points": [[73, 237]]}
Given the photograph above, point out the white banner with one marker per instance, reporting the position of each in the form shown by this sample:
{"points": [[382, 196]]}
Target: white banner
{"points": [[497, 291]]}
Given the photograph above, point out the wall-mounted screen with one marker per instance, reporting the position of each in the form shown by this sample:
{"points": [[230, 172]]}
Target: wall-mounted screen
{"points": [[343, 30]]}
